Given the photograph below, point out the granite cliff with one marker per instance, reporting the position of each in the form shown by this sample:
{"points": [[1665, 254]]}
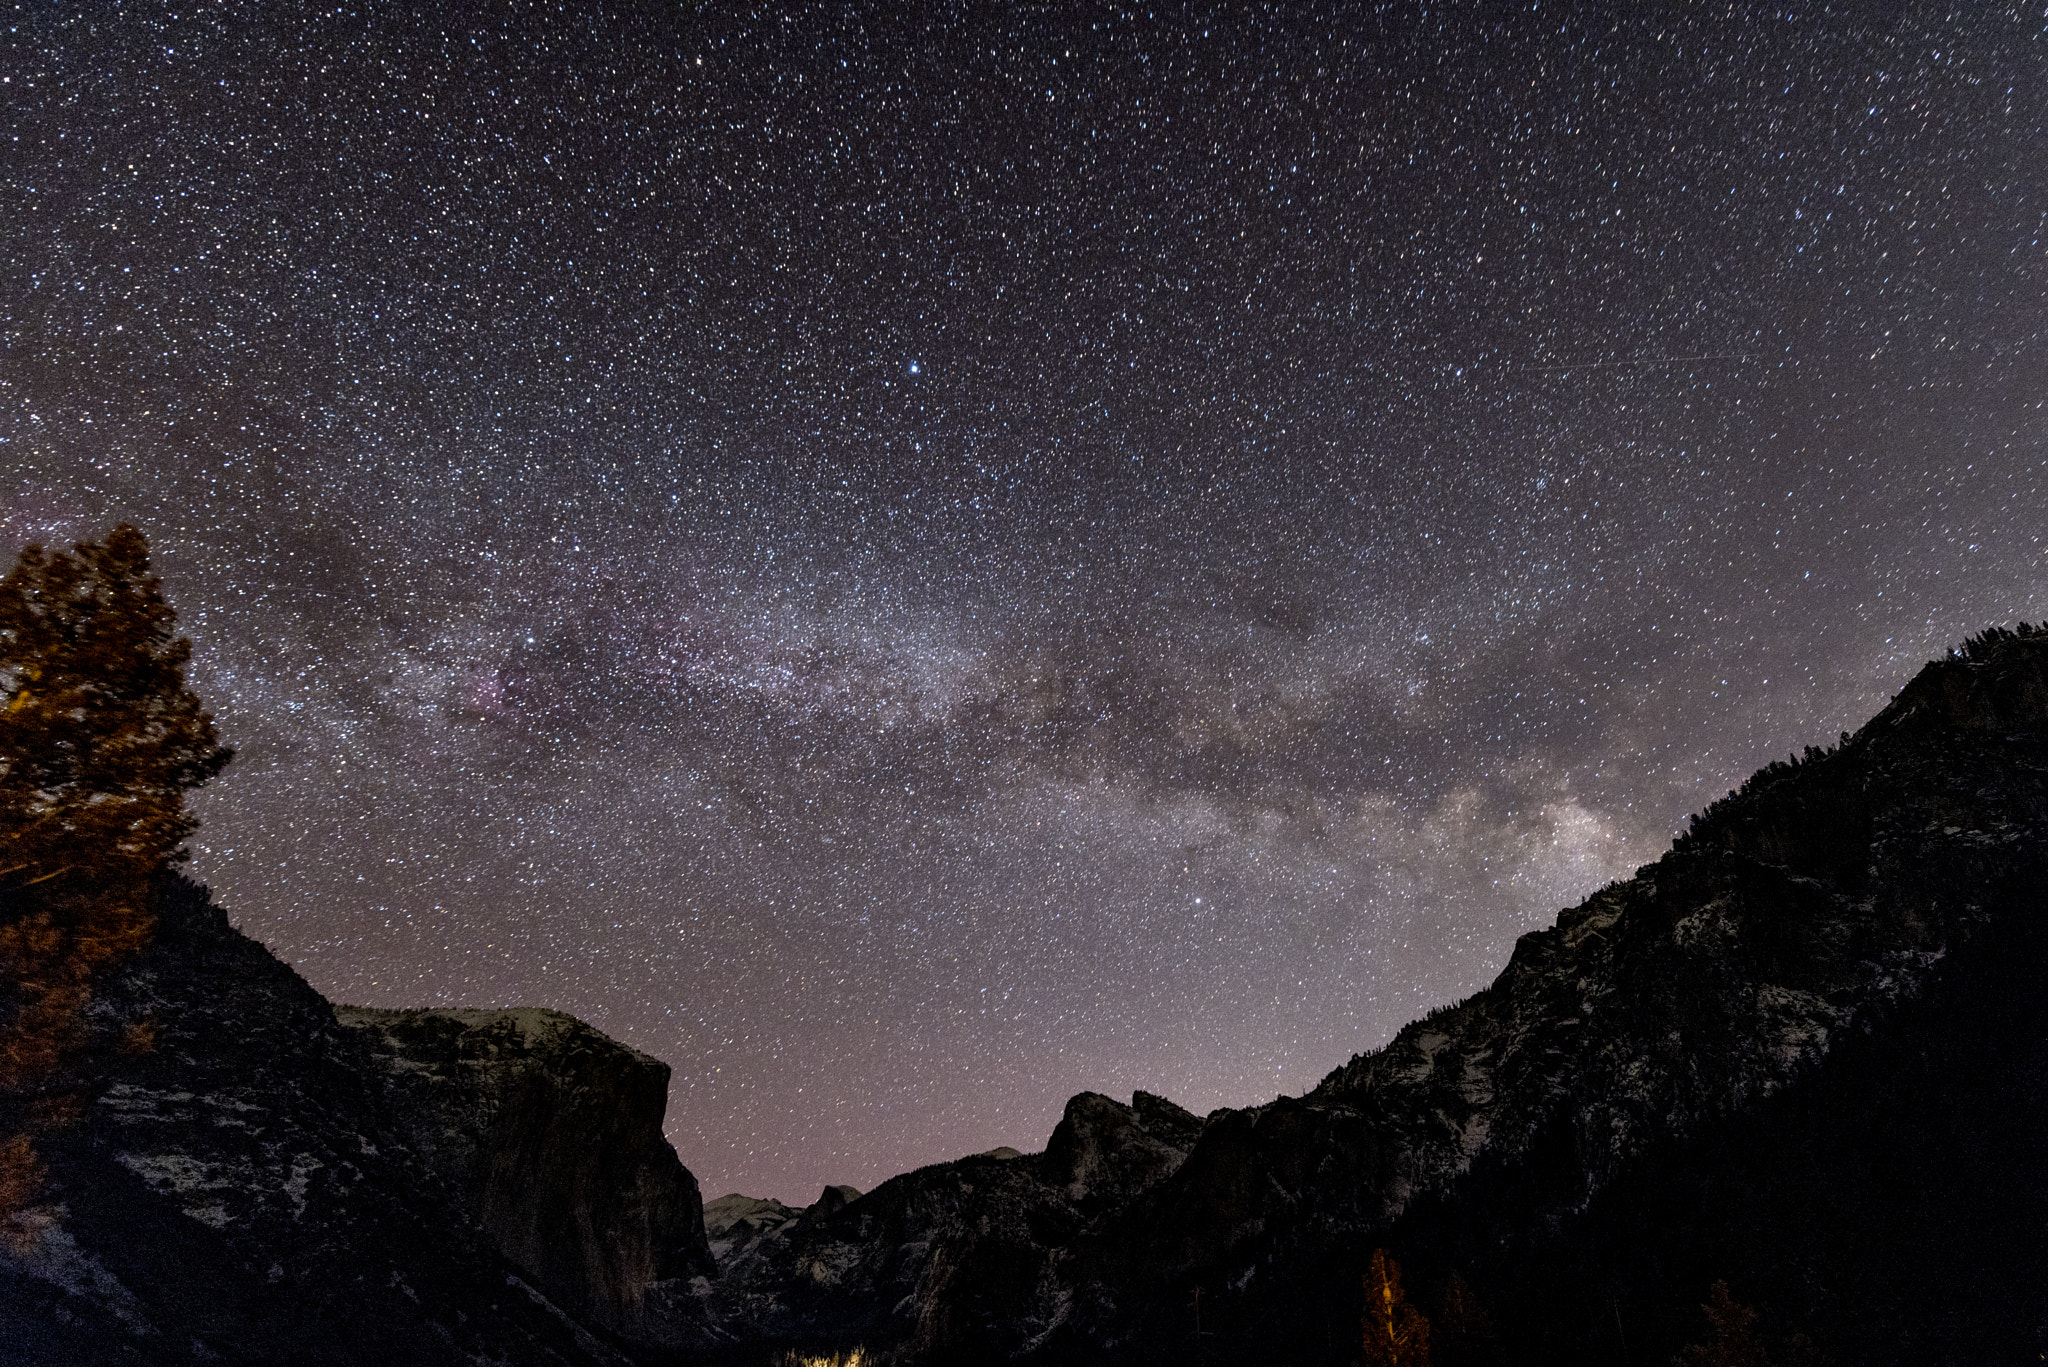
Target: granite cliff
{"points": [[271, 1184], [550, 1136]]}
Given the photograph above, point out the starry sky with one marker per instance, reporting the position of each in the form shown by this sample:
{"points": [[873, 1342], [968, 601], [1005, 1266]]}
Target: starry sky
{"points": [[911, 560]]}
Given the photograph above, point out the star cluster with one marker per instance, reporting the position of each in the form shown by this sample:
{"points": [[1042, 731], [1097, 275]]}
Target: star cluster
{"points": [[911, 561]]}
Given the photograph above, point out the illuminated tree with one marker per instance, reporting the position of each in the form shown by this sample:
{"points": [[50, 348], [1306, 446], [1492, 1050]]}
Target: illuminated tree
{"points": [[1396, 1333], [100, 740]]}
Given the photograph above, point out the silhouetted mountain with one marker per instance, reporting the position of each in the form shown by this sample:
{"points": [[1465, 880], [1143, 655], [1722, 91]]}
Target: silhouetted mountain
{"points": [[1804, 1053], [269, 1185]]}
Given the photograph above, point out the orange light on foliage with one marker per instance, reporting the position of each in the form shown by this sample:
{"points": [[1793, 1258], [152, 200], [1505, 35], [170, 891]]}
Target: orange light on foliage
{"points": [[100, 740], [1396, 1333]]}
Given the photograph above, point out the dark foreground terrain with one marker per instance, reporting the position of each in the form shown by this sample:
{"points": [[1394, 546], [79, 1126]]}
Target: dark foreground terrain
{"points": [[1805, 1052]]}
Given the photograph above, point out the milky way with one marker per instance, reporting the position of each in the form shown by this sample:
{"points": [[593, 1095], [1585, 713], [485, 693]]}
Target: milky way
{"points": [[913, 561]]}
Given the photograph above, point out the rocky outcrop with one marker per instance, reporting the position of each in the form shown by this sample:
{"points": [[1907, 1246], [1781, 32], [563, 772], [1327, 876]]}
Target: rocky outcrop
{"points": [[267, 1184], [939, 1260], [243, 1193], [550, 1135], [952, 1261], [735, 1223], [1103, 1153]]}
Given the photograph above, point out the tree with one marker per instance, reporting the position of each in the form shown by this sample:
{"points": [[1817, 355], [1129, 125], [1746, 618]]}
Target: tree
{"points": [[1733, 1342], [1396, 1333], [99, 737], [1464, 1334], [100, 740]]}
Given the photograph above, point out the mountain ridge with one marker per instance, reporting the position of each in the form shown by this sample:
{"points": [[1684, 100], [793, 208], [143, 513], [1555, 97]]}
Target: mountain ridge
{"points": [[1796, 912], [1800, 1051]]}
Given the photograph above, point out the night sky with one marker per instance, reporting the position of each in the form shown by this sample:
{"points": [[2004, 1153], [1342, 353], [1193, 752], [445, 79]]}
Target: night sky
{"points": [[914, 560]]}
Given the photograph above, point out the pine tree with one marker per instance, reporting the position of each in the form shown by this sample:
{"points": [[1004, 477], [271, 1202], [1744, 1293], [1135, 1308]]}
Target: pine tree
{"points": [[1464, 1334], [1396, 1333], [100, 740], [1733, 1342], [99, 737]]}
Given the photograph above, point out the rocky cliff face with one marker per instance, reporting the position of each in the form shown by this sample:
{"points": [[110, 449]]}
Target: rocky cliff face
{"points": [[1788, 974], [1103, 1153], [270, 1185], [953, 1260], [550, 1135]]}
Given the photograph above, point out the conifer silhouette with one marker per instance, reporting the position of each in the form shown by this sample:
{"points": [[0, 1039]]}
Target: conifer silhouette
{"points": [[1733, 1342], [1464, 1334]]}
